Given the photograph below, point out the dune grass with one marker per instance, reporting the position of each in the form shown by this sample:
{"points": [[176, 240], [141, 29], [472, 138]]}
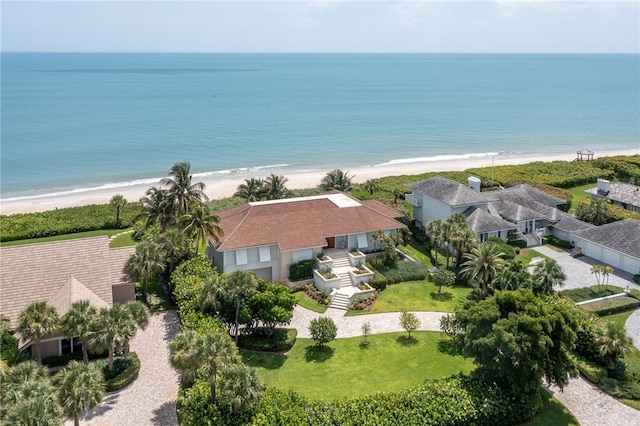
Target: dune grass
{"points": [[416, 296], [346, 368]]}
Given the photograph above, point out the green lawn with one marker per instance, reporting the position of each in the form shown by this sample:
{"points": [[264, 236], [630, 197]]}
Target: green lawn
{"points": [[306, 302], [527, 254], [346, 368], [124, 240], [416, 296], [577, 192], [588, 293], [552, 413], [620, 318], [108, 232]]}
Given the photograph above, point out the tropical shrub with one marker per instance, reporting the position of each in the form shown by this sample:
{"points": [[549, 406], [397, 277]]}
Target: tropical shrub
{"points": [[507, 249], [65, 221], [280, 339], [301, 270], [612, 306], [404, 271], [378, 281]]}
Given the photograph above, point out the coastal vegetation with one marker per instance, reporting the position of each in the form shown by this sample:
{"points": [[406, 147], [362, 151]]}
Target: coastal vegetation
{"points": [[548, 175]]}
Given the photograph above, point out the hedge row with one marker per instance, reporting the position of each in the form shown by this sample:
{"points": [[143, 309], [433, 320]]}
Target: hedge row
{"points": [[281, 340], [612, 306], [453, 401], [65, 221]]}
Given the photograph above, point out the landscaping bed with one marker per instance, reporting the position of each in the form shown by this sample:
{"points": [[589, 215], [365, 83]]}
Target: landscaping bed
{"points": [[588, 293], [612, 306]]}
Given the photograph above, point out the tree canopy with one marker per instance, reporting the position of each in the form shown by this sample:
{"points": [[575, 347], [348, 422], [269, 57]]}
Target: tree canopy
{"points": [[516, 339]]}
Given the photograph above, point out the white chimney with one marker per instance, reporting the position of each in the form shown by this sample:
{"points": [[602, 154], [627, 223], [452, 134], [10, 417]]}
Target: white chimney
{"points": [[474, 183], [603, 186]]}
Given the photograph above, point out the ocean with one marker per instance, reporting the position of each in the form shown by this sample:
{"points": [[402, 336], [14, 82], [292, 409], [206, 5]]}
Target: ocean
{"points": [[77, 122]]}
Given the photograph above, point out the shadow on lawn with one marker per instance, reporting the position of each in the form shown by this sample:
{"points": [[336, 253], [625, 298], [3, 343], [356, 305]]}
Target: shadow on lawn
{"points": [[441, 297], [312, 353], [268, 361], [407, 341]]}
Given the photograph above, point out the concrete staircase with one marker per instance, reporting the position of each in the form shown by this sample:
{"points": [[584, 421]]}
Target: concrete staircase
{"points": [[341, 267]]}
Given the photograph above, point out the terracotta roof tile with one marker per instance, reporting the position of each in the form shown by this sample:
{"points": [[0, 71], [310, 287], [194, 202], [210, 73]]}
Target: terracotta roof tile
{"points": [[302, 222]]}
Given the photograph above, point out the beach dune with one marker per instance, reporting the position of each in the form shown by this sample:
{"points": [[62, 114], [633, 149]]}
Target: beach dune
{"points": [[224, 186]]}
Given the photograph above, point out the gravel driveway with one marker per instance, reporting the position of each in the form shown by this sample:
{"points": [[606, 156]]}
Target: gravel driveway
{"points": [[151, 398]]}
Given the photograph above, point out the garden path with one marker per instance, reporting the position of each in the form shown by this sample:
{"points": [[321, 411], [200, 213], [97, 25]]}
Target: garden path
{"points": [[151, 398]]}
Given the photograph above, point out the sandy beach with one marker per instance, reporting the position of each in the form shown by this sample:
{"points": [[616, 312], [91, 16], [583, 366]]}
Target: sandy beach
{"points": [[224, 186]]}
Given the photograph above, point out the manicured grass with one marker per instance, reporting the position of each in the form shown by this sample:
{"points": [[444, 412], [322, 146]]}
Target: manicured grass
{"points": [[306, 302], [108, 232], [588, 293], [552, 413], [346, 368], [526, 255], [124, 240], [619, 318], [417, 252], [416, 296], [577, 193]]}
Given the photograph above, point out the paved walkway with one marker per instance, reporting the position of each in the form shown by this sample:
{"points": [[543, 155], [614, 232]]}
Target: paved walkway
{"points": [[151, 398]]}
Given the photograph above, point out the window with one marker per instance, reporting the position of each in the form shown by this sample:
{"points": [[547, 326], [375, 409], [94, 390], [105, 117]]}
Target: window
{"points": [[362, 241], [241, 257], [265, 254], [65, 346]]}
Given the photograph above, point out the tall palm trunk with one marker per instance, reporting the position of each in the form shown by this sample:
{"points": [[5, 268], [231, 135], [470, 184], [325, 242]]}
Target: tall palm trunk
{"points": [[237, 313], [85, 355], [38, 351]]}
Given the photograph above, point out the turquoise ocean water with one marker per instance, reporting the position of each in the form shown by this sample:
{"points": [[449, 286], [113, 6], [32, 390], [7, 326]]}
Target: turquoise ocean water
{"points": [[72, 122]]}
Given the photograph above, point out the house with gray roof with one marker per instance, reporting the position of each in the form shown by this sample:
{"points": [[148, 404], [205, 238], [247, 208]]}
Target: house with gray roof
{"points": [[616, 244], [621, 194], [61, 273]]}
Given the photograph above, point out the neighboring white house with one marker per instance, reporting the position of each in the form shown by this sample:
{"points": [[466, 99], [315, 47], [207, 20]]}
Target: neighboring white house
{"points": [[621, 194], [267, 237], [61, 273], [616, 244]]}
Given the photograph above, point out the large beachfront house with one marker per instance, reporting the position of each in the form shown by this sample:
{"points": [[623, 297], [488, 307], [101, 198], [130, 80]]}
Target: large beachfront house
{"points": [[621, 194], [530, 213], [61, 273], [524, 211], [266, 237]]}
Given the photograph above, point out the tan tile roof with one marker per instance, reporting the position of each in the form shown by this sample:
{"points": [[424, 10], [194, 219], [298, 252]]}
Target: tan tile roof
{"points": [[36, 272], [302, 222], [74, 291]]}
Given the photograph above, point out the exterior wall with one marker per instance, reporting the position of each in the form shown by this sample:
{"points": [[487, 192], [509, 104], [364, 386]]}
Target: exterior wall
{"points": [[432, 209], [608, 256], [226, 261], [49, 348], [123, 293], [563, 235]]}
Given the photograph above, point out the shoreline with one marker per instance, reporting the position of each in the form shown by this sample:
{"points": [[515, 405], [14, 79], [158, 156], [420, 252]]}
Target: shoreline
{"points": [[218, 187]]}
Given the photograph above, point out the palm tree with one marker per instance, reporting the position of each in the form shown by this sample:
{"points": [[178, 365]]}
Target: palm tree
{"points": [[210, 293], [484, 263], [118, 201], [37, 320], [447, 238], [77, 322], [240, 387], [463, 240], [156, 208], [144, 264], [198, 355], [435, 232], [140, 315], [81, 388], [546, 275], [201, 223], [615, 343], [32, 403], [275, 188], [512, 277], [251, 190], [338, 180], [371, 186], [174, 245], [26, 371], [181, 190], [238, 285], [595, 212], [112, 327]]}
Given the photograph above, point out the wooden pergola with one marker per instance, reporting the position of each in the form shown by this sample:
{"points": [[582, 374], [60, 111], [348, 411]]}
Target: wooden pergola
{"points": [[584, 155]]}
